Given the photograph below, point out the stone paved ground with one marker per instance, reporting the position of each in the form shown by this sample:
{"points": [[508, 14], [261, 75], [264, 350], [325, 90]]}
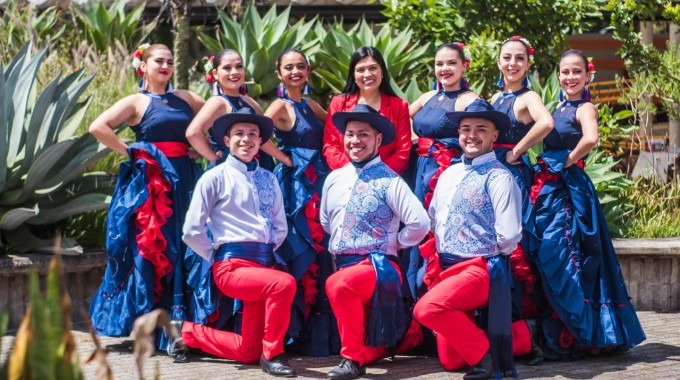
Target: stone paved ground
{"points": [[657, 358]]}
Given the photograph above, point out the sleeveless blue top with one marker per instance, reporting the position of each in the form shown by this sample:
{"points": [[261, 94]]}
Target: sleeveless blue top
{"points": [[567, 132], [307, 130], [431, 120], [506, 103], [165, 120]]}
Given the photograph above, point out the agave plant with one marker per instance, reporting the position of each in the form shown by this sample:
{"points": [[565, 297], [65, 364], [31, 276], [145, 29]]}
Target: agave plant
{"points": [[260, 41], [407, 63], [104, 27], [41, 162]]}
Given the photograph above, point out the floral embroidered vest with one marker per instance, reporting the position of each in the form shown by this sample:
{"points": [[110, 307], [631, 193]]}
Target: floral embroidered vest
{"points": [[367, 215], [470, 230]]}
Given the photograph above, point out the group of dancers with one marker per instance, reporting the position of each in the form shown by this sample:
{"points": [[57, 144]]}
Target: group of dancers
{"points": [[380, 223]]}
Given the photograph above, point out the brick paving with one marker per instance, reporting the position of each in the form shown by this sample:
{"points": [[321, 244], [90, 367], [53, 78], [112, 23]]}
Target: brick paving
{"points": [[657, 358]]}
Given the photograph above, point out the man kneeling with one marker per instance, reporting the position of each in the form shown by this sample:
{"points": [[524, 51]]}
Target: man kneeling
{"points": [[363, 203], [476, 219], [241, 204]]}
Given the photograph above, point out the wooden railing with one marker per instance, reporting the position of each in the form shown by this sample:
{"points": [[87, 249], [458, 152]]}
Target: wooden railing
{"points": [[607, 91]]}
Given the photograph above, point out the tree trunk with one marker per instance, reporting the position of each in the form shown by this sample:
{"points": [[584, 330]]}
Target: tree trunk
{"points": [[181, 44]]}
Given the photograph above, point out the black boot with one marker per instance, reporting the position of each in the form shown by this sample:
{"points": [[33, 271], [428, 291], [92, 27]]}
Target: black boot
{"points": [[346, 370], [176, 347], [535, 357], [277, 366], [482, 371]]}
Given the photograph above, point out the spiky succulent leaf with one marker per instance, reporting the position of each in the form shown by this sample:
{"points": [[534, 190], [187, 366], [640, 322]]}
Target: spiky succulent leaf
{"points": [[41, 178], [13, 218]]}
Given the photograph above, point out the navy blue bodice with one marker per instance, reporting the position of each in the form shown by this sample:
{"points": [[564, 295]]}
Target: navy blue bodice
{"points": [[505, 103], [165, 120], [307, 130], [431, 120], [567, 132], [237, 103]]}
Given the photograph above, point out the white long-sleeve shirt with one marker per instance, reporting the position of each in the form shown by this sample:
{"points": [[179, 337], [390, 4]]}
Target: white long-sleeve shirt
{"points": [[404, 204], [237, 205], [504, 196]]}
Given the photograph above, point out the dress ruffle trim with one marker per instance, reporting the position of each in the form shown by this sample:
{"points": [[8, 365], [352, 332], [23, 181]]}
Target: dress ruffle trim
{"points": [[442, 156], [150, 217]]}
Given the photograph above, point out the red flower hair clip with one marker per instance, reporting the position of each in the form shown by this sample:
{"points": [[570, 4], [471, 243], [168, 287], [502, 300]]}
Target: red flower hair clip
{"points": [[137, 58], [208, 67]]}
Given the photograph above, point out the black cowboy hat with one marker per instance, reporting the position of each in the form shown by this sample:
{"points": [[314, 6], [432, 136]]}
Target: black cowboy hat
{"points": [[480, 109], [365, 113], [244, 115]]}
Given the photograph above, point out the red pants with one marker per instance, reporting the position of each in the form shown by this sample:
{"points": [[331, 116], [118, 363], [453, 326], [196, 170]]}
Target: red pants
{"points": [[350, 292], [267, 296], [448, 309]]}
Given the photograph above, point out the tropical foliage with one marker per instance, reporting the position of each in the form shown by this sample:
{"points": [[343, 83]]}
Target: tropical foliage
{"points": [[545, 23], [104, 27], [260, 41], [41, 161]]}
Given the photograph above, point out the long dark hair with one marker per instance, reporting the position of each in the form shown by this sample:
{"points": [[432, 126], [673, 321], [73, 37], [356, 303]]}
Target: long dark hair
{"points": [[351, 87]]}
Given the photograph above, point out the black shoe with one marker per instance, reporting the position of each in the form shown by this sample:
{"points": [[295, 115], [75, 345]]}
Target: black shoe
{"points": [[482, 371], [277, 366], [535, 357], [177, 350], [346, 370]]}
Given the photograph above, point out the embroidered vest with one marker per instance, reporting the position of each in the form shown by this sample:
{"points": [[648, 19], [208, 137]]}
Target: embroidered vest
{"points": [[470, 230], [367, 215], [264, 183]]}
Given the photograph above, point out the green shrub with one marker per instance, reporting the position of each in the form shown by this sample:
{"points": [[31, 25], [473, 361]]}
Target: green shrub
{"points": [[23, 23], [104, 27], [655, 208]]}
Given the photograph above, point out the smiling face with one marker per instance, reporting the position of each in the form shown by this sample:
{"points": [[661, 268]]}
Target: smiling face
{"points": [[230, 73], [368, 75], [243, 141], [293, 70], [361, 140], [449, 68], [477, 136], [159, 65], [573, 76], [513, 61]]}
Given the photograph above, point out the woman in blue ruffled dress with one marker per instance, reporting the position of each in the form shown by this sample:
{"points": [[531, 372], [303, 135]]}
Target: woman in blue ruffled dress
{"points": [[144, 223], [437, 143], [226, 72], [590, 307], [301, 172]]}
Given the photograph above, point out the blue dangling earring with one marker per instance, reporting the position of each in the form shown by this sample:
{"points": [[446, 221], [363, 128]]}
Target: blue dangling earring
{"points": [[281, 91], [586, 94], [464, 83], [561, 95], [307, 89], [243, 89], [216, 88], [525, 82], [437, 86], [500, 81]]}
